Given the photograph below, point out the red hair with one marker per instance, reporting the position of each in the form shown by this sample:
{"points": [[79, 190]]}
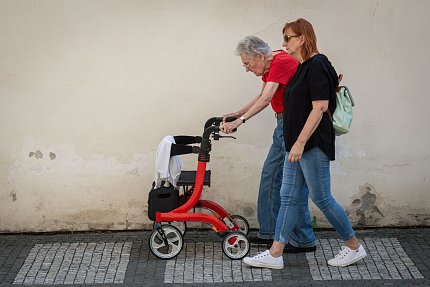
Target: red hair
{"points": [[303, 27]]}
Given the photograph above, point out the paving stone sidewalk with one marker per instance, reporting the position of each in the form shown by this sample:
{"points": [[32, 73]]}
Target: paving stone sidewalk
{"points": [[396, 257]]}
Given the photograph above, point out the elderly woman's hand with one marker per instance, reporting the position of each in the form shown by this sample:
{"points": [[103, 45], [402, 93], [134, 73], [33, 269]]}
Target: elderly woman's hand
{"points": [[228, 127], [230, 115]]}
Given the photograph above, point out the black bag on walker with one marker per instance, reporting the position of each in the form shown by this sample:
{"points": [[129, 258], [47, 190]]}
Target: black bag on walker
{"points": [[162, 199]]}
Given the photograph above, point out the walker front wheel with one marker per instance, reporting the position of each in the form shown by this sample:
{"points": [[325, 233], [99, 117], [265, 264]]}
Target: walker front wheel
{"points": [[235, 245], [166, 241]]}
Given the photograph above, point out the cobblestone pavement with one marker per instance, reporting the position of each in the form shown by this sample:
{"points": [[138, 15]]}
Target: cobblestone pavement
{"points": [[396, 257]]}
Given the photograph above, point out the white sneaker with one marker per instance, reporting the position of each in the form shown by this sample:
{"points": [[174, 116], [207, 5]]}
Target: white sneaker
{"points": [[265, 260], [347, 256]]}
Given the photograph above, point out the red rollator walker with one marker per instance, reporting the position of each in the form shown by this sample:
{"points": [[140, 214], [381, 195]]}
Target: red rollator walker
{"points": [[171, 211]]}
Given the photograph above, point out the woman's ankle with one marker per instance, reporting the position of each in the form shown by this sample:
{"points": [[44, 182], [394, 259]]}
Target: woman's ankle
{"points": [[353, 243], [277, 249]]}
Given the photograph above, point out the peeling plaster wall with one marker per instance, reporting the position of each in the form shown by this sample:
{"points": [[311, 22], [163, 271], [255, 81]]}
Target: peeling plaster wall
{"points": [[88, 89]]}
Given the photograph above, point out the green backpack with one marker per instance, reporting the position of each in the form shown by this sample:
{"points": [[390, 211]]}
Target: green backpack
{"points": [[342, 116]]}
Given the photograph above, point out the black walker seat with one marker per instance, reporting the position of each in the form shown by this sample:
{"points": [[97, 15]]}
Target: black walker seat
{"points": [[188, 178]]}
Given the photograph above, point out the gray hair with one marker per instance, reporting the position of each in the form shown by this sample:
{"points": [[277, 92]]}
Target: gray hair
{"points": [[253, 46]]}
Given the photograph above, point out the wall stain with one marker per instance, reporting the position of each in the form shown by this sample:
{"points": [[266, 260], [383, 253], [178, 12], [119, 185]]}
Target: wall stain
{"points": [[248, 211], [39, 204], [92, 219], [92, 226], [134, 172], [37, 154], [137, 204], [52, 156], [127, 223], [365, 210], [13, 195]]}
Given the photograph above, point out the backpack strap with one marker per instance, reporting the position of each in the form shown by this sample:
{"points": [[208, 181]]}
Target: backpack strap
{"points": [[338, 87], [339, 79]]}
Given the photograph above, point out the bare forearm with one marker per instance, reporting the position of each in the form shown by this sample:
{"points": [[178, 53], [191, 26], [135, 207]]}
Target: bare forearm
{"points": [[263, 100], [248, 106], [260, 104], [253, 108], [312, 122], [311, 125]]}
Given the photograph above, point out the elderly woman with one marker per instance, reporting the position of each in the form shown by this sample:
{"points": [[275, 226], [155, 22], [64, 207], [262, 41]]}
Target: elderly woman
{"points": [[276, 69], [309, 140]]}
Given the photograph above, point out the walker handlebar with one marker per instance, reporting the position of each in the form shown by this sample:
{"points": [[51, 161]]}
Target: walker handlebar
{"points": [[212, 126], [217, 121], [182, 143]]}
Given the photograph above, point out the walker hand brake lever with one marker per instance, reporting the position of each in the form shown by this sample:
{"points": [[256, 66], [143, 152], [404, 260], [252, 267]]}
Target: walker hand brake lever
{"points": [[227, 137]]}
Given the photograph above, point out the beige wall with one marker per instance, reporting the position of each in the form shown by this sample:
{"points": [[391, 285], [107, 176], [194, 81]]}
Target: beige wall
{"points": [[88, 89]]}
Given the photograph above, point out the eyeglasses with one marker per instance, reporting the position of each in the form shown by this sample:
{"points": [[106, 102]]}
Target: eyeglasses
{"points": [[288, 38], [249, 63]]}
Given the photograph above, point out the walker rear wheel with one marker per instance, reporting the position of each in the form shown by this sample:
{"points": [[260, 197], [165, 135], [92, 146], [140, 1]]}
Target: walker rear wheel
{"points": [[181, 225], [235, 245], [166, 241]]}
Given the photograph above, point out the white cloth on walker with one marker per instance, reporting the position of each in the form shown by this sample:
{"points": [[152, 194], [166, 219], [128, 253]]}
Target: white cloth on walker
{"points": [[167, 168]]}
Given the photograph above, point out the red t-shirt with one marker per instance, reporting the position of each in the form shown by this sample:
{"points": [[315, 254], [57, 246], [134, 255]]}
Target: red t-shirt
{"points": [[282, 69]]}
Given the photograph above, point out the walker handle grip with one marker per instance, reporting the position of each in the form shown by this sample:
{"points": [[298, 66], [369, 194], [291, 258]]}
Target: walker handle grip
{"points": [[230, 119]]}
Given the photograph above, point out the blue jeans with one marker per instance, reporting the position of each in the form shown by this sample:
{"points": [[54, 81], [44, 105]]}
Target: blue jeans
{"points": [[269, 199], [313, 169]]}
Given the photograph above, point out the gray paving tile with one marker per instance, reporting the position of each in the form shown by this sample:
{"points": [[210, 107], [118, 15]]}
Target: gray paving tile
{"points": [[385, 259], [397, 257], [75, 263], [206, 263]]}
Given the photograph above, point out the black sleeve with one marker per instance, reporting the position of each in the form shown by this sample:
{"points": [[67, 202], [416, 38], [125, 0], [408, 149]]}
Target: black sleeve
{"points": [[319, 81]]}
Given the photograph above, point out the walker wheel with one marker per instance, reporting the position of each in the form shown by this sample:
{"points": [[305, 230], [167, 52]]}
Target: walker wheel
{"points": [[166, 241], [242, 223], [235, 245], [181, 225]]}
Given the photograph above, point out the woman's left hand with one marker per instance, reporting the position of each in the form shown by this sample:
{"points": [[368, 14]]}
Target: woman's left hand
{"points": [[296, 152], [228, 127]]}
